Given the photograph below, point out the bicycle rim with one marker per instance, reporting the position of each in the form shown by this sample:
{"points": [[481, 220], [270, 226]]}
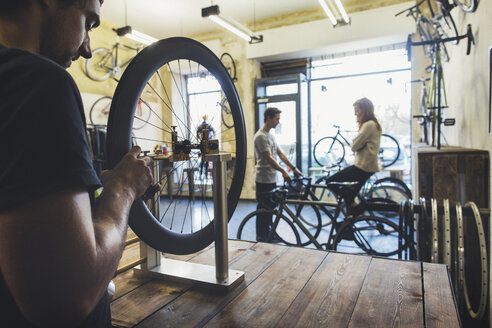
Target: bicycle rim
{"points": [[329, 152], [394, 182], [159, 75], [284, 229], [229, 64], [142, 114], [100, 66], [368, 235], [467, 5], [389, 150], [99, 112], [226, 114]]}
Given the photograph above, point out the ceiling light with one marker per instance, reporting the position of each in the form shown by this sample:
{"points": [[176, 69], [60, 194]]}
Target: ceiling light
{"points": [[243, 32], [134, 35], [340, 11]]}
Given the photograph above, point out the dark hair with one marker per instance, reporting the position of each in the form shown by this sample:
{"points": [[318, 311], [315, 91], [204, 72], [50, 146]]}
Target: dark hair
{"points": [[366, 107], [9, 6], [270, 112]]}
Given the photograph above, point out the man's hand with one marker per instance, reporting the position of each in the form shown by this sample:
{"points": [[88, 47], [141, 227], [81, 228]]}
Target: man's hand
{"points": [[297, 173], [131, 173], [286, 176]]}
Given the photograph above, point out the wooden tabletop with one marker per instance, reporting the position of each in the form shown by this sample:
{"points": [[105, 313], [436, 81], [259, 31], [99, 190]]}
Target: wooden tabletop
{"points": [[293, 287]]}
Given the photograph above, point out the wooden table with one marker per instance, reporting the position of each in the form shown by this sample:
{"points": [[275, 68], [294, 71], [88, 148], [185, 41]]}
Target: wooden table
{"points": [[293, 287]]}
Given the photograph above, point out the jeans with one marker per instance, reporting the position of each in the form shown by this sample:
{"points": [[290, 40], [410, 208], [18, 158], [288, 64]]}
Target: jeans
{"points": [[264, 221], [351, 174]]}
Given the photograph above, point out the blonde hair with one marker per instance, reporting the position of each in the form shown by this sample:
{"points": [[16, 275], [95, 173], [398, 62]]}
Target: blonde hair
{"points": [[366, 107]]}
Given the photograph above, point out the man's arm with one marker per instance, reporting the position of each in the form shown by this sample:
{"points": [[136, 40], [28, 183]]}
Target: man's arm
{"points": [[57, 257], [276, 166], [284, 159]]}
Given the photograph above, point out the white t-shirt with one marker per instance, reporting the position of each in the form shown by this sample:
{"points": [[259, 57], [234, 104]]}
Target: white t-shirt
{"points": [[265, 141]]}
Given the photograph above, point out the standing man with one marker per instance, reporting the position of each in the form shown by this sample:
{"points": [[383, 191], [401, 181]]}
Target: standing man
{"points": [[59, 246], [199, 134], [267, 150]]}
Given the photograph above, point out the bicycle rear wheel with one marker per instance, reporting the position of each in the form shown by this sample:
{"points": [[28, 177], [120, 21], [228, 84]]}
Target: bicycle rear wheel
{"points": [[100, 66], [467, 5], [285, 228], [159, 74], [389, 150], [393, 193], [328, 152], [226, 114], [99, 112], [368, 235], [394, 182]]}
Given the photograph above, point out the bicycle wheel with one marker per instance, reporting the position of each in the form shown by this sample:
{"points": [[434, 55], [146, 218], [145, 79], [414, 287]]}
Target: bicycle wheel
{"points": [[310, 218], [99, 112], [392, 182], [368, 235], [389, 150], [328, 152], [468, 6], [229, 64], [226, 114], [186, 212], [100, 66], [285, 228], [395, 194], [324, 194], [142, 114]]}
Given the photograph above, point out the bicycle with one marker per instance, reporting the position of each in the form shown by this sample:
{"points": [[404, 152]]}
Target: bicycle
{"points": [[388, 190], [330, 151], [99, 112], [367, 234], [104, 62]]}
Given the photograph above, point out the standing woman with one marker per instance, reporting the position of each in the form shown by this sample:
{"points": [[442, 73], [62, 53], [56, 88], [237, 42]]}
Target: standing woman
{"points": [[366, 149]]}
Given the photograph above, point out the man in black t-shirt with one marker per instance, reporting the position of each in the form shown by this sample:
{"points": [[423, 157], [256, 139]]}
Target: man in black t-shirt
{"points": [[59, 248]]}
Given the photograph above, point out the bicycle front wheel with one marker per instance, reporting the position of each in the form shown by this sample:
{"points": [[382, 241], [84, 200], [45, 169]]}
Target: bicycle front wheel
{"points": [[368, 235], [328, 152], [389, 150], [284, 229], [100, 66], [164, 74]]}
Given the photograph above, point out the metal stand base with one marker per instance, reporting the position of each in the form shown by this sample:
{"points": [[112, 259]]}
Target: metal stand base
{"points": [[199, 274], [218, 276]]}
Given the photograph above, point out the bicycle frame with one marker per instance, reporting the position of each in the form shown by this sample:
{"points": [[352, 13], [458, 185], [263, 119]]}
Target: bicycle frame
{"points": [[115, 49], [283, 207]]}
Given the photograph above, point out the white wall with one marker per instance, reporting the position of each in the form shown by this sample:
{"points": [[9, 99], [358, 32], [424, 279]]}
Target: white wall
{"points": [[367, 29]]}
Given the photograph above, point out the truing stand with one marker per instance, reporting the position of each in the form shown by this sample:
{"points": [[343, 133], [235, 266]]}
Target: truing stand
{"points": [[216, 277]]}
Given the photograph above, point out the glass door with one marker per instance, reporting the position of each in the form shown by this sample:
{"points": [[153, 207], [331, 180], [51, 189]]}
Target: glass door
{"points": [[284, 93]]}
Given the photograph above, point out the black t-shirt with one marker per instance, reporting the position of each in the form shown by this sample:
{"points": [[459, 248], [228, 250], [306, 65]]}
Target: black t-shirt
{"points": [[44, 148]]}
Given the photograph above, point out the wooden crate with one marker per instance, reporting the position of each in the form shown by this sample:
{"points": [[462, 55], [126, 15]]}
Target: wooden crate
{"points": [[458, 174]]}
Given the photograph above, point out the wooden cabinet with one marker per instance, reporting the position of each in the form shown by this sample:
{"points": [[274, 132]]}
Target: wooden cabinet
{"points": [[459, 174]]}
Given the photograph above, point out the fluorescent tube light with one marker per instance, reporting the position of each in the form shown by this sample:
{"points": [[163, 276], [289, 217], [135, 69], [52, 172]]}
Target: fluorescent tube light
{"points": [[328, 12], [213, 13], [141, 37], [342, 11]]}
